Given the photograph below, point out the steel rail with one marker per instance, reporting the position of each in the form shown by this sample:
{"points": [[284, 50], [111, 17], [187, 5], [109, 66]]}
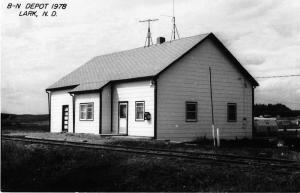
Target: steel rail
{"points": [[164, 152]]}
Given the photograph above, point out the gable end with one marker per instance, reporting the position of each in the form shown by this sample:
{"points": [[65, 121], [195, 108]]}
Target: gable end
{"points": [[224, 50]]}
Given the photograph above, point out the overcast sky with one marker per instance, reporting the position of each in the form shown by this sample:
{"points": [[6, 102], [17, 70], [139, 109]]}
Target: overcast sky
{"points": [[264, 35]]}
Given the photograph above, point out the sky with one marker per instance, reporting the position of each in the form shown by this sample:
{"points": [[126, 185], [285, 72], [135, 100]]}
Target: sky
{"points": [[264, 35]]}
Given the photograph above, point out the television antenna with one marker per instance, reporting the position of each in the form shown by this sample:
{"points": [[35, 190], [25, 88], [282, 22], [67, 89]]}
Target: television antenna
{"points": [[148, 41], [174, 27]]}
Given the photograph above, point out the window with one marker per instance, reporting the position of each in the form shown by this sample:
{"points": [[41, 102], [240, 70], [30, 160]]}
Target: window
{"points": [[123, 110], [191, 109], [139, 110], [86, 111], [231, 112]]}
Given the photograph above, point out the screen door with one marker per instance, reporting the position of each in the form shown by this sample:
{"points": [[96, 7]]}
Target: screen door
{"points": [[123, 117]]}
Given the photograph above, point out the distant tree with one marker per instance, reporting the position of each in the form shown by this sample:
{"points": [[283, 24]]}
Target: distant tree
{"points": [[273, 110], [6, 116]]}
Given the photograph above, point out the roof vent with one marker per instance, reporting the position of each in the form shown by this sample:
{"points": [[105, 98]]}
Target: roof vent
{"points": [[160, 40]]}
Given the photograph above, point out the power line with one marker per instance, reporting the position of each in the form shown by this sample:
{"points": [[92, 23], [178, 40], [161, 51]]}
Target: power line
{"points": [[279, 76]]}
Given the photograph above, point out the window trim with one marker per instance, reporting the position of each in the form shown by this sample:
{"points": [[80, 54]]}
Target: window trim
{"points": [[92, 111], [235, 105], [191, 120], [136, 111]]}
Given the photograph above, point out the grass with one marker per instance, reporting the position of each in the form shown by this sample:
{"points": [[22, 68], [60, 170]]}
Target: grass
{"points": [[269, 142], [28, 167], [24, 129], [11, 123], [245, 147]]}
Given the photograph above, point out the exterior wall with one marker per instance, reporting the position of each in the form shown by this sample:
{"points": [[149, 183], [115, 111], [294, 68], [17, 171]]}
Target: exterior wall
{"points": [[188, 80], [58, 99], [88, 126], [131, 92], [106, 112]]}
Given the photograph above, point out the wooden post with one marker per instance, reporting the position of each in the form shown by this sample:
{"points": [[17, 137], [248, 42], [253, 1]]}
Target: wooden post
{"points": [[212, 108], [213, 134], [218, 137]]}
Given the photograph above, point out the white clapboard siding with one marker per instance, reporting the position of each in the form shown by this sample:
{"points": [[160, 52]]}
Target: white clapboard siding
{"points": [[188, 80], [58, 99], [87, 126], [106, 112], [132, 92]]}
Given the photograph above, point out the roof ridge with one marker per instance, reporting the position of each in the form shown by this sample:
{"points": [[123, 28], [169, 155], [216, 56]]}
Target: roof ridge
{"points": [[206, 34], [146, 47]]}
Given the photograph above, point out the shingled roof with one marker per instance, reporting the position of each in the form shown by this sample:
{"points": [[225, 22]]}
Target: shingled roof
{"points": [[129, 64]]}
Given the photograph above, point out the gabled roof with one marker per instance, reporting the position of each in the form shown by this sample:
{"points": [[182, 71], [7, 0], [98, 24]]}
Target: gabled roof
{"points": [[136, 63]]}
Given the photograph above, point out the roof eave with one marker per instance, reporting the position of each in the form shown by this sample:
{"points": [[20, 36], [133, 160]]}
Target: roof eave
{"points": [[62, 88], [113, 82], [85, 91]]}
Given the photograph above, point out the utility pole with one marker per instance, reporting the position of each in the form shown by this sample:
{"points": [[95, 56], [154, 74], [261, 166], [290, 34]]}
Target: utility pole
{"points": [[212, 109], [148, 41]]}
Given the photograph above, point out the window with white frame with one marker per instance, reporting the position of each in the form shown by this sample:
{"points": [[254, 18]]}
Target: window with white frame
{"points": [[191, 109], [86, 111], [139, 110]]}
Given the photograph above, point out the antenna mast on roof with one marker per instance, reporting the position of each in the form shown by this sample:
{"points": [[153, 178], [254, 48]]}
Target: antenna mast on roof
{"points": [[148, 41], [174, 30], [174, 27]]}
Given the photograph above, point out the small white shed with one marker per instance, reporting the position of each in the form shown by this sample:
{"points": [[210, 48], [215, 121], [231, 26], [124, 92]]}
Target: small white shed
{"points": [[265, 125]]}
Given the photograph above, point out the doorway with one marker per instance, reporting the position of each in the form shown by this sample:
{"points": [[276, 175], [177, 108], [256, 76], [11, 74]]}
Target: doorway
{"points": [[65, 118]]}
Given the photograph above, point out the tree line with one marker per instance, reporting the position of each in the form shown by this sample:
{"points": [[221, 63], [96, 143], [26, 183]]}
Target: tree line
{"points": [[274, 110]]}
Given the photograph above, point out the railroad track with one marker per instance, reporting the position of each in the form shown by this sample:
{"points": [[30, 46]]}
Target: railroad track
{"points": [[224, 158]]}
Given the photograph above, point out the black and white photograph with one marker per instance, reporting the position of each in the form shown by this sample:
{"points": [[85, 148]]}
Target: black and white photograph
{"points": [[150, 96]]}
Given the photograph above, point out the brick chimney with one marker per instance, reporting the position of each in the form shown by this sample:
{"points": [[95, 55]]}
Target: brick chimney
{"points": [[160, 40]]}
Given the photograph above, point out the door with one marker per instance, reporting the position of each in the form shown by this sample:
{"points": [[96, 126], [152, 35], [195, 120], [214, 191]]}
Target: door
{"points": [[65, 118], [123, 117]]}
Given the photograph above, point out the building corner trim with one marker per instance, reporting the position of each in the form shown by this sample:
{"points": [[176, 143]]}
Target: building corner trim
{"points": [[73, 105], [253, 130], [111, 107], [155, 107], [49, 108], [100, 111]]}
